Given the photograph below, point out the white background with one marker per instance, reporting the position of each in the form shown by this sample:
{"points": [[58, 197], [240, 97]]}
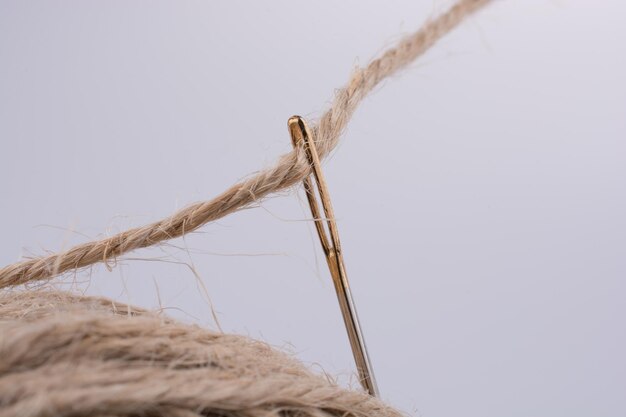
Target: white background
{"points": [[480, 193]]}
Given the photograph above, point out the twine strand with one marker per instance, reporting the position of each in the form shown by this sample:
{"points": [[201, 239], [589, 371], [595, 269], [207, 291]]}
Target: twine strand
{"points": [[290, 168]]}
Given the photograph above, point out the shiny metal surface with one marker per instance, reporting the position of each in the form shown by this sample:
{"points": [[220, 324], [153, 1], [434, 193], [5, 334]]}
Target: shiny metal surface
{"points": [[301, 137]]}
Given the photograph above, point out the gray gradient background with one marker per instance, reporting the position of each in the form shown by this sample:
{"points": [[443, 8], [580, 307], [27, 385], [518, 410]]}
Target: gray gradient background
{"points": [[480, 194]]}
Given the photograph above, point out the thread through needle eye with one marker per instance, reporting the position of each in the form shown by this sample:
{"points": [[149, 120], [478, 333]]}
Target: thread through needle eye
{"points": [[301, 137]]}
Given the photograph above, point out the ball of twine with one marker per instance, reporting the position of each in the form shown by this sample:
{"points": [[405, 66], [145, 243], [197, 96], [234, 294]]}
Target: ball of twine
{"points": [[72, 355]]}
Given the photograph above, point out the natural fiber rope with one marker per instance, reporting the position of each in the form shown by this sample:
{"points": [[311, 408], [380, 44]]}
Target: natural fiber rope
{"points": [[289, 170], [64, 355]]}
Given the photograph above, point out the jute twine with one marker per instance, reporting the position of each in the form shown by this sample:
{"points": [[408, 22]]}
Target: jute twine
{"points": [[69, 355]]}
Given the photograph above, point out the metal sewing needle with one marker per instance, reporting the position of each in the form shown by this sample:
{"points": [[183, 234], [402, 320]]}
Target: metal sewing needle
{"points": [[301, 137]]}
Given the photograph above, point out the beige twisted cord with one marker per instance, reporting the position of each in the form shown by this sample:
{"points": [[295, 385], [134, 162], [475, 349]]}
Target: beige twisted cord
{"points": [[289, 170], [64, 355]]}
